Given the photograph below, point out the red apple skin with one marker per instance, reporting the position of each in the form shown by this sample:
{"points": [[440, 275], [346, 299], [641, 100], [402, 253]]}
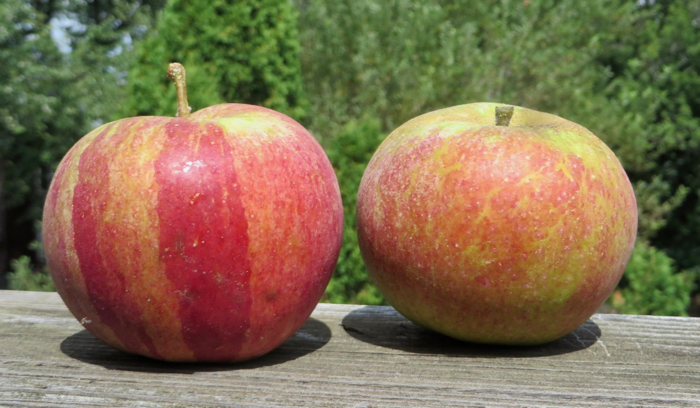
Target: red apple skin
{"points": [[206, 238], [504, 235]]}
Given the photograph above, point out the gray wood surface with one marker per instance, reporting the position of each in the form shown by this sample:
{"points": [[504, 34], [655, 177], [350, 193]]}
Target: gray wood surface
{"points": [[355, 356]]}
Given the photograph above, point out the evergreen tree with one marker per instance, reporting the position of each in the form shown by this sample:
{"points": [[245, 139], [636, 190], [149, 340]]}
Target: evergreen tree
{"points": [[234, 51]]}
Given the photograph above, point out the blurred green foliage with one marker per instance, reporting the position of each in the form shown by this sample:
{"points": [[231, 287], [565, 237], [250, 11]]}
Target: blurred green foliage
{"points": [[352, 71], [660, 82], [349, 152], [24, 277], [243, 51], [652, 285]]}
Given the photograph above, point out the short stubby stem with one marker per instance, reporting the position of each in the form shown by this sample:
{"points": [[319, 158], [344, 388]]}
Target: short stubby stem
{"points": [[503, 115], [176, 73]]}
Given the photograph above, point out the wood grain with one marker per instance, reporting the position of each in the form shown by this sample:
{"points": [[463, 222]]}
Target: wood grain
{"points": [[356, 356]]}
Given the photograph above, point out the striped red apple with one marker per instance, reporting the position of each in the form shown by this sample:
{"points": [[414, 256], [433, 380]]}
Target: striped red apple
{"points": [[494, 224], [206, 237]]}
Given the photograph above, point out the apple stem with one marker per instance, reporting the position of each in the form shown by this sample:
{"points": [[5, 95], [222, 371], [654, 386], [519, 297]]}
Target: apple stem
{"points": [[503, 115], [176, 73]]}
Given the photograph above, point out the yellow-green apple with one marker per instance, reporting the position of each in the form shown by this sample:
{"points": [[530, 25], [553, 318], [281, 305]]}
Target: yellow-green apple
{"points": [[206, 237], [495, 224]]}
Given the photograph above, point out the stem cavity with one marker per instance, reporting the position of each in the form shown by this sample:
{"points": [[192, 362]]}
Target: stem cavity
{"points": [[503, 115], [176, 73]]}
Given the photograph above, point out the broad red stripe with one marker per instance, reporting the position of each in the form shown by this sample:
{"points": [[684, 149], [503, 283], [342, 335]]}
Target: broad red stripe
{"points": [[204, 238], [99, 253]]}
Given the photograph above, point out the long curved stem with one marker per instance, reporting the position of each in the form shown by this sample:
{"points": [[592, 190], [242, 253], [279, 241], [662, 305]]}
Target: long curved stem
{"points": [[176, 73]]}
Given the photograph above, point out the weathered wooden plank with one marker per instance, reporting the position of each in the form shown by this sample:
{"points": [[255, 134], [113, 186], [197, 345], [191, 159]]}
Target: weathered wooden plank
{"points": [[348, 355]]}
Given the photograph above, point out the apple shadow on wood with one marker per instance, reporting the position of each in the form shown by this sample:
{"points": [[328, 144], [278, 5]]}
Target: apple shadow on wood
{"points": [[85, 347], [385, 327]]}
